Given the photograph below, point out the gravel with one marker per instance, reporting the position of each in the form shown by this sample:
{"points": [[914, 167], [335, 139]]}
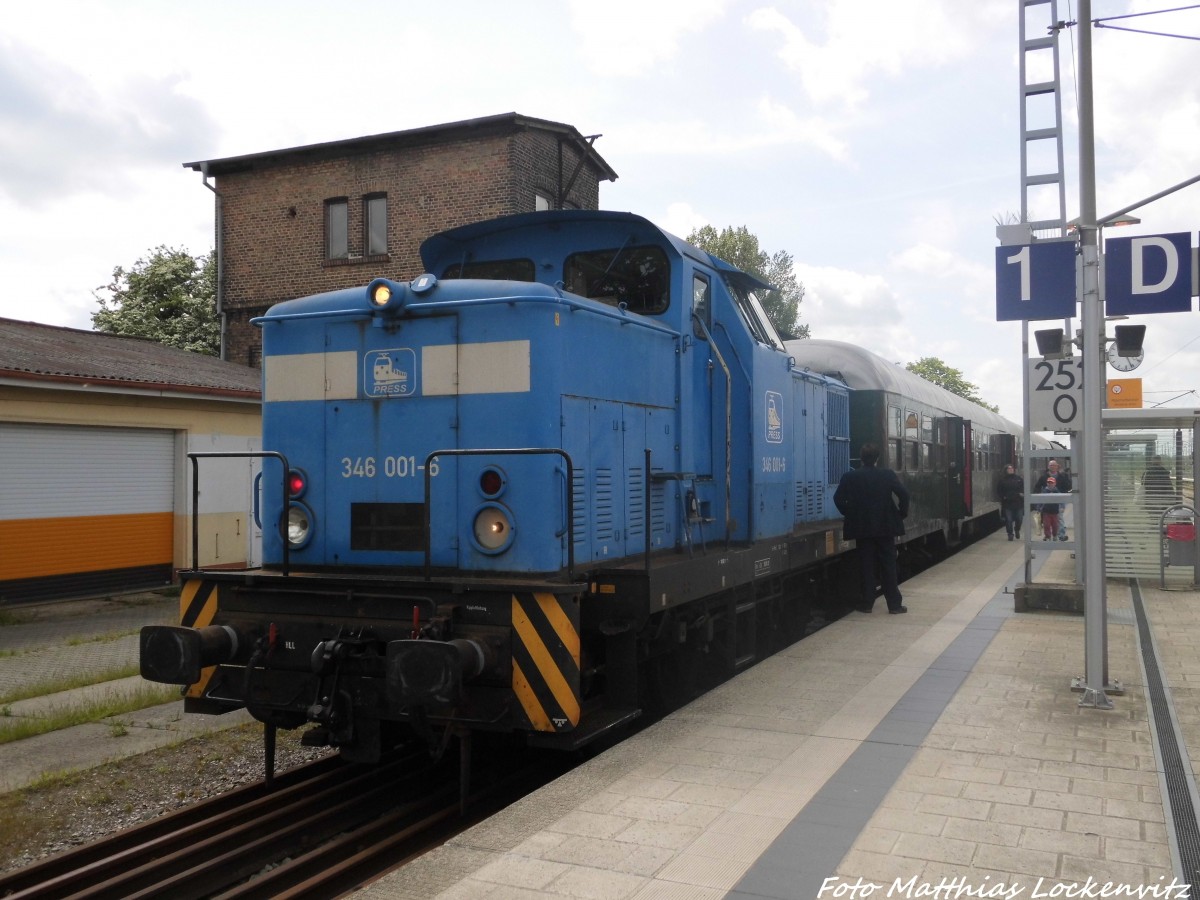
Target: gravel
{"points": [[74, 810]]}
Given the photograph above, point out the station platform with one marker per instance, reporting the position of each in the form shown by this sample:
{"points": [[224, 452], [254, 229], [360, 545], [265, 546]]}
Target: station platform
{"points": [[938, 754]]}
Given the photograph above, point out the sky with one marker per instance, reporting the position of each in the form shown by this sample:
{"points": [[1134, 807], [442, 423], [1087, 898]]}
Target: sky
{"points": [[875, 141]]}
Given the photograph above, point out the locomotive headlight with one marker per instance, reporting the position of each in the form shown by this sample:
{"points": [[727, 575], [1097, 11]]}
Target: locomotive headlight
{"points": [[493, 530], [385, 294], [299, 525]]}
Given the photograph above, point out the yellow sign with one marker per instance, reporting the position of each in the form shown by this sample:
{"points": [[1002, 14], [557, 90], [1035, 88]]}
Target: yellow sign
{"points": [[1124, 393]]}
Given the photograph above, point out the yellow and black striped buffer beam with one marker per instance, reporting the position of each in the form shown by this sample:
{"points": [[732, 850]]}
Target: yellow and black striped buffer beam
{"points": [[198, 608], [545, 659]]}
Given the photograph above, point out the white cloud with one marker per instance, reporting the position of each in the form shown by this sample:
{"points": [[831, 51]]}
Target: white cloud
{"points": [[681, 220], [626, 38], [853, 40]]}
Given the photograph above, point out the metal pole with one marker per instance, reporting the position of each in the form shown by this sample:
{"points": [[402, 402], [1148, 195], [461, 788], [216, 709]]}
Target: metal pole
{"points": [[1091, 523]]}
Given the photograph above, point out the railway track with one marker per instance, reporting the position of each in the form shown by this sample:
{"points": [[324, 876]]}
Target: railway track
{"points": [[321, 830]]}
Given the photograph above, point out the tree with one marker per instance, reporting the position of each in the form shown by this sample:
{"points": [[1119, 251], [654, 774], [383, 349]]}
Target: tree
{"points": [[738, 247], [933, 369], [169, 297]]}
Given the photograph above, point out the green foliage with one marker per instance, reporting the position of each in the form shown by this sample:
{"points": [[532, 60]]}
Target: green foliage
{"points": [[933, 369], [169, 297], [738, 247]]}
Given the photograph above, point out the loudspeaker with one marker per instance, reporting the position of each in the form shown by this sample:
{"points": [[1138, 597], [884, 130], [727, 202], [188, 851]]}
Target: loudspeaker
{"points": [[1129, 339], [1050, 343]]}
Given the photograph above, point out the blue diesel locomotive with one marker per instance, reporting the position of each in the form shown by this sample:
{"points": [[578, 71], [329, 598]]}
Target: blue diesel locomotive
{"points": [[571, 470]]}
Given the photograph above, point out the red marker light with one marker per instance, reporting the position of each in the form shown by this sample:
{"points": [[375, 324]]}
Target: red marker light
{"points": [[490, 483], [296, 483]]}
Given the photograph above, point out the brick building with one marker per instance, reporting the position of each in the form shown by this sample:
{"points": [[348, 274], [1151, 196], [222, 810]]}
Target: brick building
{"points": [[307, 219]]}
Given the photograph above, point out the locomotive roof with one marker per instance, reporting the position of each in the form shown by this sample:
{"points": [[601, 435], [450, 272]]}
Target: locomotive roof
{"points": [[453, 239], [863, 370]]}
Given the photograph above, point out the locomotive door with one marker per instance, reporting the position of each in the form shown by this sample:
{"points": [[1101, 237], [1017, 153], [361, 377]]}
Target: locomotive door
{"points": [[960, 469]]}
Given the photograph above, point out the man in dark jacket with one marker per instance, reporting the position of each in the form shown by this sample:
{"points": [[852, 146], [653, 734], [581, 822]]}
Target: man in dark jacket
{"points": [[873, 521], [1011, 493]]}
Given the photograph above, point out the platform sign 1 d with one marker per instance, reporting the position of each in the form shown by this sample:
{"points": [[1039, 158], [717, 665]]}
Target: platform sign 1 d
{"points": [[1148, 274], [1035, 281]]}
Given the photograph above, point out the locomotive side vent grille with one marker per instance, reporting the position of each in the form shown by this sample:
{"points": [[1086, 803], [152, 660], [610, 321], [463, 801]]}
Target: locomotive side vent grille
{"points": [[603, 504], [387, 526], [658, 511], [579, 501], [635, 522]]}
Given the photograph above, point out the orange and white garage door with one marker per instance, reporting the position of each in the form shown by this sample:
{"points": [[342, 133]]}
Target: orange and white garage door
{"points": [[84, 510]]}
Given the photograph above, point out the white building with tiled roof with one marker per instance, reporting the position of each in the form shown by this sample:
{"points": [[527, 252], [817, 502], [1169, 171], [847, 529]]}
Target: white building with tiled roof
{"points": [[95, 483]]}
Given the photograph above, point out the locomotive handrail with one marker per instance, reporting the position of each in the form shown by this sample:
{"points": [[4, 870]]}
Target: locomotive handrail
{"points": [[728, 420], [522, 451], [247, 454]]}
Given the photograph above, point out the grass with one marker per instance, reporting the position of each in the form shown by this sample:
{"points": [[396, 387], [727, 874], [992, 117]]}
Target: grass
{"points": [[67, 683], [16, 729]]}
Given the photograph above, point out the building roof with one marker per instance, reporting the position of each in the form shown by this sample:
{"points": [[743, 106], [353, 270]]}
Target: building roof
{"points": [[413, 137], [32, 353]]}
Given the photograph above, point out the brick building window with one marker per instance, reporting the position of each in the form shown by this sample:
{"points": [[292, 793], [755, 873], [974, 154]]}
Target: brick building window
{"points": [[540, 201], [337, 228], [375, 230]]}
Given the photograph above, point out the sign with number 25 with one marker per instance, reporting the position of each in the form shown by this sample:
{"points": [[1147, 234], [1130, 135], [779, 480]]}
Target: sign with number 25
{"points": [[1055, 394]]}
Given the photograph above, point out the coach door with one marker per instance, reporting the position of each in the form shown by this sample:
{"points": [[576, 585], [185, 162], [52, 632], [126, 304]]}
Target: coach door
{"points": [[960, 469]]}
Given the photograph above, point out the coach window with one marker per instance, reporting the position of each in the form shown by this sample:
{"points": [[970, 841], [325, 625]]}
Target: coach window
{"points": [[701, 292], [927, 443], [895, 428], [337, 228], [375, 226], [912, 448], [939, 445]]}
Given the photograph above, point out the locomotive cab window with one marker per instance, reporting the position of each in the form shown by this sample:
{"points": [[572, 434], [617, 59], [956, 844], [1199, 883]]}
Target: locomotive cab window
{"points": [[639, 277], [493, 270], [701, 293], [755, 317]]}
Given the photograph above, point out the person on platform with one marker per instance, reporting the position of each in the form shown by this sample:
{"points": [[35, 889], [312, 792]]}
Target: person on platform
{"points": [[1049, 510], [1062, 485], [1011, 493], [874, 504]]}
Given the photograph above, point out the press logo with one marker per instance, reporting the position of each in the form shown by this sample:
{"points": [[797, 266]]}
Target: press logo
{"points": [[390, 373], [774, 418]]}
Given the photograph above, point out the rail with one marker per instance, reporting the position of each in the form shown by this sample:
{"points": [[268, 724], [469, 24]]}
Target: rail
{"points": [[245, 454], [569, 493]]}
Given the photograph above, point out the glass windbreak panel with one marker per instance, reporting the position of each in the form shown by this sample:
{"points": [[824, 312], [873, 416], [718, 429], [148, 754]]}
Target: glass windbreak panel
{"points": [[375, 217], [754, 316], [768, 329], [639, 277], [493, 270]]}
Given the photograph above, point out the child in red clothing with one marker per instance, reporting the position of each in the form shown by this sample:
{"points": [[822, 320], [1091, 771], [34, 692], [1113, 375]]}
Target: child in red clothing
{"points": [[1050, 512]]}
